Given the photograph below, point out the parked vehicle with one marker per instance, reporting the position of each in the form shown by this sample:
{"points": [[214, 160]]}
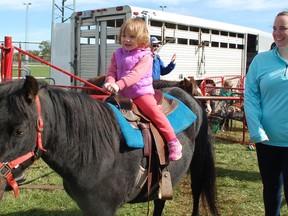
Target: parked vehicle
{"points": [[204, 47]]}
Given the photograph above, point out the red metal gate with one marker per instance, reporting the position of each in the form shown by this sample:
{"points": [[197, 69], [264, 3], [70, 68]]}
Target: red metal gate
{"points": [[7, 52]]}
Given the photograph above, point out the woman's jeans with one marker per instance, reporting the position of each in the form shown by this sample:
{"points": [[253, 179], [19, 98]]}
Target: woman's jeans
{"points": [[273, 166]]}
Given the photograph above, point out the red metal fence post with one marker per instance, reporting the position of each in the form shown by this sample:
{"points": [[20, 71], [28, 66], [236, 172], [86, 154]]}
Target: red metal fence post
{"points": [[9, 51], [2, 62]]}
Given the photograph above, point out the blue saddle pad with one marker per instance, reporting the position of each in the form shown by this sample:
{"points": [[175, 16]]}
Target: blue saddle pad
{"points": [[180, 119]]}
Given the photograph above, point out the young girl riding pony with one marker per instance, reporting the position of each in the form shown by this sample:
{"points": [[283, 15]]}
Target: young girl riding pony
{"points": [[130, 74]]}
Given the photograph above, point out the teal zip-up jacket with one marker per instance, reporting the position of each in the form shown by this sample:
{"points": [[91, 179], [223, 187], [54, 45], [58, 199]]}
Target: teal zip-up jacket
{"points": [[266, 99]]}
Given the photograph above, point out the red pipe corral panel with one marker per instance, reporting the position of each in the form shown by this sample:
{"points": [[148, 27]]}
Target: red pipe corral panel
{"points": [[2, 61], [7, 52], [61, 70]]}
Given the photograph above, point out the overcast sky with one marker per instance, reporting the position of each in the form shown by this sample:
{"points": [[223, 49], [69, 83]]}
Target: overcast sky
{"points": [[258, 14]]}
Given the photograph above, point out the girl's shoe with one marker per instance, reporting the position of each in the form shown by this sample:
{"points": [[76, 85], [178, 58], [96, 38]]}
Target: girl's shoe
{"points": [[175, 150]]}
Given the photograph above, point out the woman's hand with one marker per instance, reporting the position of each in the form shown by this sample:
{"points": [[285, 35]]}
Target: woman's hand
{"points": [[173, 59], [111, 87]]}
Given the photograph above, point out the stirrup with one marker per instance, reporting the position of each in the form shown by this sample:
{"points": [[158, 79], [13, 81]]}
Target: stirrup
{"points": [[165, 186]]}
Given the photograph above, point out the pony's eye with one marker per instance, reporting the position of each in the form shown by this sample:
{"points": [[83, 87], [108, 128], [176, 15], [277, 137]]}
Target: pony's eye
{"points": [[19, 132]]}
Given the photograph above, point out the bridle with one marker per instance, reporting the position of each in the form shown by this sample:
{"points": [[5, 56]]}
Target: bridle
{"points": [[7, 167]]}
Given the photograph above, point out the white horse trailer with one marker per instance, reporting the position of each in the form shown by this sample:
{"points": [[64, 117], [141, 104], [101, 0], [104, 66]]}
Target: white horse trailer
{"points": [[204, 48]]}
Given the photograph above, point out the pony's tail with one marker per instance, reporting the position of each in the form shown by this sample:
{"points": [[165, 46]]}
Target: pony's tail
{"points": [[203, 177]]}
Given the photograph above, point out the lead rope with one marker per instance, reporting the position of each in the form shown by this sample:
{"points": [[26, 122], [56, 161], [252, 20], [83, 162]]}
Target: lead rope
{"points": [[149, 175]]}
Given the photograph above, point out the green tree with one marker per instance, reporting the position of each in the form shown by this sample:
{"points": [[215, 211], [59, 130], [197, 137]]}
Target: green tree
{"points": [[45, 50], [34, 52]]}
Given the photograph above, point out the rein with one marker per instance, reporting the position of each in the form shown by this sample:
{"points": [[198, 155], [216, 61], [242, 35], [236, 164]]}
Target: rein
{"points": [[7, 167]]}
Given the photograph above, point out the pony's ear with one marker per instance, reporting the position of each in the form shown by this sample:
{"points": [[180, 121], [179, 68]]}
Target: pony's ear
{"points": [[192, 79], [186, 81], [30, 88]]}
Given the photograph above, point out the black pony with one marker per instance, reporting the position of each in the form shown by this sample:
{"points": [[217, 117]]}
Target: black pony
{"points": [[80, 139]]}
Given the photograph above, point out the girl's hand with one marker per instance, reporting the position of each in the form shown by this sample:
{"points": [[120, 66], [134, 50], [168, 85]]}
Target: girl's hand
{"points": [[111, 87]]}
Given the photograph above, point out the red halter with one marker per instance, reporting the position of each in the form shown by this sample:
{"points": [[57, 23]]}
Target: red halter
{"points": [[6, 168]]}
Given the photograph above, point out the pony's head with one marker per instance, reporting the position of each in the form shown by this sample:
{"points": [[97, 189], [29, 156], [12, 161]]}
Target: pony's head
{"points": [[19, 126], [190, 86], [97, 81]]}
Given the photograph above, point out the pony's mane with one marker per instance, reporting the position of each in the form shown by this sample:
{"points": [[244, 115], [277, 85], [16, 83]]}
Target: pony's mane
{"points": [[10, 87], [87, 122], [158, 84]]}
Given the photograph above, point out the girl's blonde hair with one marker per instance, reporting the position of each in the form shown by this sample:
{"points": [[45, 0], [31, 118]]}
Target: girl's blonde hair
{"points": [[136, 27]]}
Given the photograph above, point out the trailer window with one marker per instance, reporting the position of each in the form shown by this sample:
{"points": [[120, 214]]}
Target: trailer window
{"points": [[215, 44], [223, 45], [84, 27], [204, 30], [170, 40], [240, 35], [183, 27], [119, 22], [193, 42], [84, 41], [194, 29], [224, 33], [92, 27], [111, 37], [182, 41], [240, 46], [155, 23], [170, 25], [110, 23], [115, 23]]}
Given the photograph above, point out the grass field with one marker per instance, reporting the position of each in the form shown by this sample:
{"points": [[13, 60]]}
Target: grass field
{"points": [[238, 184], [35, 70]]}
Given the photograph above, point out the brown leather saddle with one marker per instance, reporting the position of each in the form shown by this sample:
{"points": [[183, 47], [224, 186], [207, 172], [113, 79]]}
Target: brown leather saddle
{"points": [[138, 120]]}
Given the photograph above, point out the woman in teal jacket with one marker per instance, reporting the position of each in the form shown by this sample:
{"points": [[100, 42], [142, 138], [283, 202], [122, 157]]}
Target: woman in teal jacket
{"points": [[266, 110]]}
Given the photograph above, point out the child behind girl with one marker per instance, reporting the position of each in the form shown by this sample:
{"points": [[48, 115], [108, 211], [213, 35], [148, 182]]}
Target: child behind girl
{"points": [[130, 74]]}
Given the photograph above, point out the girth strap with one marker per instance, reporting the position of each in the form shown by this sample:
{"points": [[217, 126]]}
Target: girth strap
{"points": [[145, 129]]}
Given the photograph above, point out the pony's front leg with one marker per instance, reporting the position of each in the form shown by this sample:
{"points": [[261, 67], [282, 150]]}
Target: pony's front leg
{"points": [[91, 204], [196, 205], [158, 207]]}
